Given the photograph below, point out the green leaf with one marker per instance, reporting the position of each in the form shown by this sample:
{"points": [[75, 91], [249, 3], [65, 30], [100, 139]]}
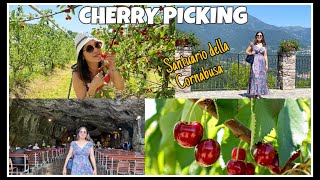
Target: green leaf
{"points": [[195, 115], [153, 144], [244, 115], [186, 110], [167, 123], [266, 112], [170, 159], [159, 104], [147, 123], [194, 168], [226, 109], [292, 129], [184, 155], [229, 141]]}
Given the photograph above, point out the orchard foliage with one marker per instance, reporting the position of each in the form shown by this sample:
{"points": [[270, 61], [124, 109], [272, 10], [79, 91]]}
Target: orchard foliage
{"points": [[139, 48], [283, 123], [35, 48]]}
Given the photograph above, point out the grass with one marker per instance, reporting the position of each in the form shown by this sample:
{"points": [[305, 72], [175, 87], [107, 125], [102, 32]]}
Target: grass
{"points": [[56, 85]]}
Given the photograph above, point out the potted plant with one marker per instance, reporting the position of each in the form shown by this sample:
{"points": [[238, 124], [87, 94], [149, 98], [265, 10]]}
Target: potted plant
{"points": [[289, 46]]}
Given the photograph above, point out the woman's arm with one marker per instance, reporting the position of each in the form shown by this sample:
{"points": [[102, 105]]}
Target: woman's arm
{"points": [[80, 87], [67, 159], [116, 78], [266, 58], [93, 161], [115, 75], [248, 50]]}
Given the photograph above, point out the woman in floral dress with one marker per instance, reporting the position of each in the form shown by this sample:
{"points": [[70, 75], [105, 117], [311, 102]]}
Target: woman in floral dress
{"points": [[258, 73], [81, 150]]}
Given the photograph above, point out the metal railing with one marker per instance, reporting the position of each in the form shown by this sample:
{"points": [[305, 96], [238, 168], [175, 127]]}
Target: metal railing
{"points": [[237, 70]]}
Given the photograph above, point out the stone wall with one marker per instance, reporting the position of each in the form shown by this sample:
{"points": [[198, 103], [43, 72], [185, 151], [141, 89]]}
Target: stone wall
{"points": [[138, 135], [27, 128], [184, 52], [287, 70]]}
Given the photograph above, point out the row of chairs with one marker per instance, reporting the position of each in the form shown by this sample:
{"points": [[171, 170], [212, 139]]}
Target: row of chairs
{"points": [[117, 161], [34, 159]]}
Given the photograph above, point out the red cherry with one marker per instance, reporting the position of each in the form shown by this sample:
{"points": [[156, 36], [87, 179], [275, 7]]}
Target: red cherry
{"points": [[158, 52], [249, 168], [264, 154], [103, 56], [148, 60], [66, 10], [241, 155], [236, 167], [187, 134], [99, 88], [161, 57], [107, 78], [97, 32], [207, 152], [274, 166], [160, 8], [177, 43]]}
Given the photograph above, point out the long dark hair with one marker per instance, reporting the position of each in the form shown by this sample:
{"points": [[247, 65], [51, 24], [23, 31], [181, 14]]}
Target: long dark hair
{"points": [[82, 67], [263, 41]]}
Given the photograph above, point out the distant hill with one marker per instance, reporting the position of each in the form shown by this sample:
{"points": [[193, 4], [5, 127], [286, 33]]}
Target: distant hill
{"points": [[238, 37]]}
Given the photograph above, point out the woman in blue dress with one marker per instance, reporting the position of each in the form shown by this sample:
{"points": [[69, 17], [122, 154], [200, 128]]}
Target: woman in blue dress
{"points": [[257, 85], [81, 150]]}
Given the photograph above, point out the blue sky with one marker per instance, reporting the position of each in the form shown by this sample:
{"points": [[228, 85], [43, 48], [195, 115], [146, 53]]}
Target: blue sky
{"points": [[278, 15]]}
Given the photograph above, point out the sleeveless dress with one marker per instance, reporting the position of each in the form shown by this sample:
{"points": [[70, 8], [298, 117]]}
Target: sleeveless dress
{"points": [[81, 163], [257, 84]]}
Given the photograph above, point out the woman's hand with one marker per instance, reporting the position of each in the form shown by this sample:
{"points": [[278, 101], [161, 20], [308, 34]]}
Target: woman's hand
{"points": [[253, 52], [97, 81], [64, 171], [109, 60], [95, 171]]}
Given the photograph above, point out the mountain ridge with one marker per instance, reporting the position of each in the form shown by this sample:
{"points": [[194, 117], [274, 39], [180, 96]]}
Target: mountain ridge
{"points": [[239, 36]]}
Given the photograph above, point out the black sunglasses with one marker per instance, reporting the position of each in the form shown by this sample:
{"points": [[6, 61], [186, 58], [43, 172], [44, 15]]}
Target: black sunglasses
{"points": [[90, 48], [259, 35]]}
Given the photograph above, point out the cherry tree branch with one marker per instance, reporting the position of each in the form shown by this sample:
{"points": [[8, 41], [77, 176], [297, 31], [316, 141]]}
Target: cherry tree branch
{"points": [[237, 128], [49, 15]]}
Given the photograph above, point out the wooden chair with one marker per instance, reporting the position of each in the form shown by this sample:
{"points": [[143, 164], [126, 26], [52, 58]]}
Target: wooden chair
{"points": [[123, 167], [11, 168], [138, 168]]}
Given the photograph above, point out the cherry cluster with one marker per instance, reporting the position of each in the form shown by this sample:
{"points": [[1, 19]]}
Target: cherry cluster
{"points": [[266, 155], [237, 165], [189, 135], [102, 68]]}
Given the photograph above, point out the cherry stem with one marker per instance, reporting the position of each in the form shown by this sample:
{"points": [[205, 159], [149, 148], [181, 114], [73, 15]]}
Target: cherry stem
{"points": [[205, 122], [296, 169], [238, 149], [195, 104]]}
